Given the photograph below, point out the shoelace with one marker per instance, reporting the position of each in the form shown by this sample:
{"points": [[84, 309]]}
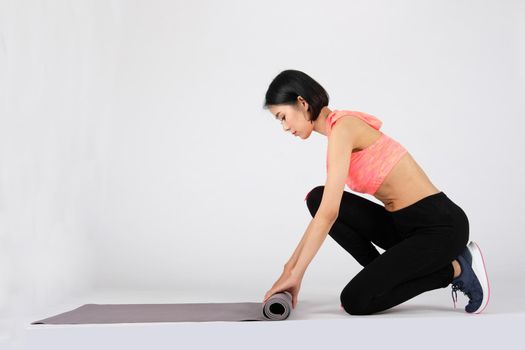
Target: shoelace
{"points": [[458, 286]]}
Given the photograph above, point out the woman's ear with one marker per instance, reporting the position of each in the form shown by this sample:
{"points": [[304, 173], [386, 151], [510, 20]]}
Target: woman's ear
{"points": [[302, 101]]}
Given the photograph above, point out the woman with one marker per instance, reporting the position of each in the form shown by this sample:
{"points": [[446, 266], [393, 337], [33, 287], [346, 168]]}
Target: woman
{"points": [[423, 232]]}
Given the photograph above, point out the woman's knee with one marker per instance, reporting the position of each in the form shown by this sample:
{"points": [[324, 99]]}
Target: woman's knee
{"points": [[313, 199], [355, 299]]}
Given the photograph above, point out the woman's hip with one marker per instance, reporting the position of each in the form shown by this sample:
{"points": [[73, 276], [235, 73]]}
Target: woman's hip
{"points": [[436, 214]]}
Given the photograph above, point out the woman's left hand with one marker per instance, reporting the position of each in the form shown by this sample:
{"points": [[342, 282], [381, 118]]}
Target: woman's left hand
{"points": [[289, 282]]}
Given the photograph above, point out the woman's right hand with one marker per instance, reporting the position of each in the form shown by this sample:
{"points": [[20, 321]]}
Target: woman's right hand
{"points": [[288, 281]]}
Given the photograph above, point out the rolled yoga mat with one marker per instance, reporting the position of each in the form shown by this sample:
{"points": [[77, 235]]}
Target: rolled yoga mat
{"points": [[276, 308]]}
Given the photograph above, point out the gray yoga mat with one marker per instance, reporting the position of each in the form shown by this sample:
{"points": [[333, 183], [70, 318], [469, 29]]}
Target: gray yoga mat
{"points": [[276, 308]]}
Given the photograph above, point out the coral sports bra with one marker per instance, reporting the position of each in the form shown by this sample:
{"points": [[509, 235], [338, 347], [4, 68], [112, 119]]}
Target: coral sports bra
{"points": [[369, 166]]}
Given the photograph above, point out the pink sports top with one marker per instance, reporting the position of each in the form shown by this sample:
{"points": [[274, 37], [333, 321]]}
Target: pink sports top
{"points": [[369, 166]]}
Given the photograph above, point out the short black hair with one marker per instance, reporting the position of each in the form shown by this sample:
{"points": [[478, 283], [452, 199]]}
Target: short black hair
{"points": [[289, 84]]}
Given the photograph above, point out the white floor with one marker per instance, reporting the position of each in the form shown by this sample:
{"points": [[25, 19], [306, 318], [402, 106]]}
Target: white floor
{"points": [[428, 321]]}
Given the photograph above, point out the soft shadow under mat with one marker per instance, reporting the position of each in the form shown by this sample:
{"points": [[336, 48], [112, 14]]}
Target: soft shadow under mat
{"points": [[276, 308]]}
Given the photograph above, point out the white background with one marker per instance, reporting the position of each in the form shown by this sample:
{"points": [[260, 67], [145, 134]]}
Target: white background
{"points": [[135, 154]]}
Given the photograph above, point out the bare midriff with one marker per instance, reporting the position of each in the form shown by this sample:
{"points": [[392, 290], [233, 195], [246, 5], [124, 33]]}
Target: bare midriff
{"points": [[405, 184]]}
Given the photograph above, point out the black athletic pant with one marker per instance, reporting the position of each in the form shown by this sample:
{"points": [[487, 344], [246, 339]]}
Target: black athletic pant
{"points": [[420, 243]]}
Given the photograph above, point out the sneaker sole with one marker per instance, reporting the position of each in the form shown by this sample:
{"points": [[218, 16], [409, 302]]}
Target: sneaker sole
{"points": [[479, 267]]}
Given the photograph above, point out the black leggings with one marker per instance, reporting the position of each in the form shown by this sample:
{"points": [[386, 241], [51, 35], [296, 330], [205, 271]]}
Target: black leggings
{"points": [[420, 243]]}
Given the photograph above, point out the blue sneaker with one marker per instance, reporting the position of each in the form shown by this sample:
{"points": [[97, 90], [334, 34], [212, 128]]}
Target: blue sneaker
{"points": [[473, 280]]}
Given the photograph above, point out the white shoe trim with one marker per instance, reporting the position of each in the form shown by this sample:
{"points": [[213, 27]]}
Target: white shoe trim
{"points": [[478, 265]]}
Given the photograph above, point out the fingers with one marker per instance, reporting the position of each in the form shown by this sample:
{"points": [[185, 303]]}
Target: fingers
{"points": [[269, 294]]}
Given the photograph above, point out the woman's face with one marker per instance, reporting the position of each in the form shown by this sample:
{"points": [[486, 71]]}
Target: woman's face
{"points": [[293, 119]]}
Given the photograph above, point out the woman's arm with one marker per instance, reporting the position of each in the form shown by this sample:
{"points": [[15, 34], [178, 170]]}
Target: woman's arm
{"points": [[340, 145], [312, 240], [293, 259]]}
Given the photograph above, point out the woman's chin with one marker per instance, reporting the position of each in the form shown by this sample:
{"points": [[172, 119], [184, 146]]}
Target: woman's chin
{"points": [[303, 136]]}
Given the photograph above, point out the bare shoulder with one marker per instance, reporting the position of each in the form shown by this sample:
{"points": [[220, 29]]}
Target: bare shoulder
{"points": [[347, 125], [350, 127]]}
